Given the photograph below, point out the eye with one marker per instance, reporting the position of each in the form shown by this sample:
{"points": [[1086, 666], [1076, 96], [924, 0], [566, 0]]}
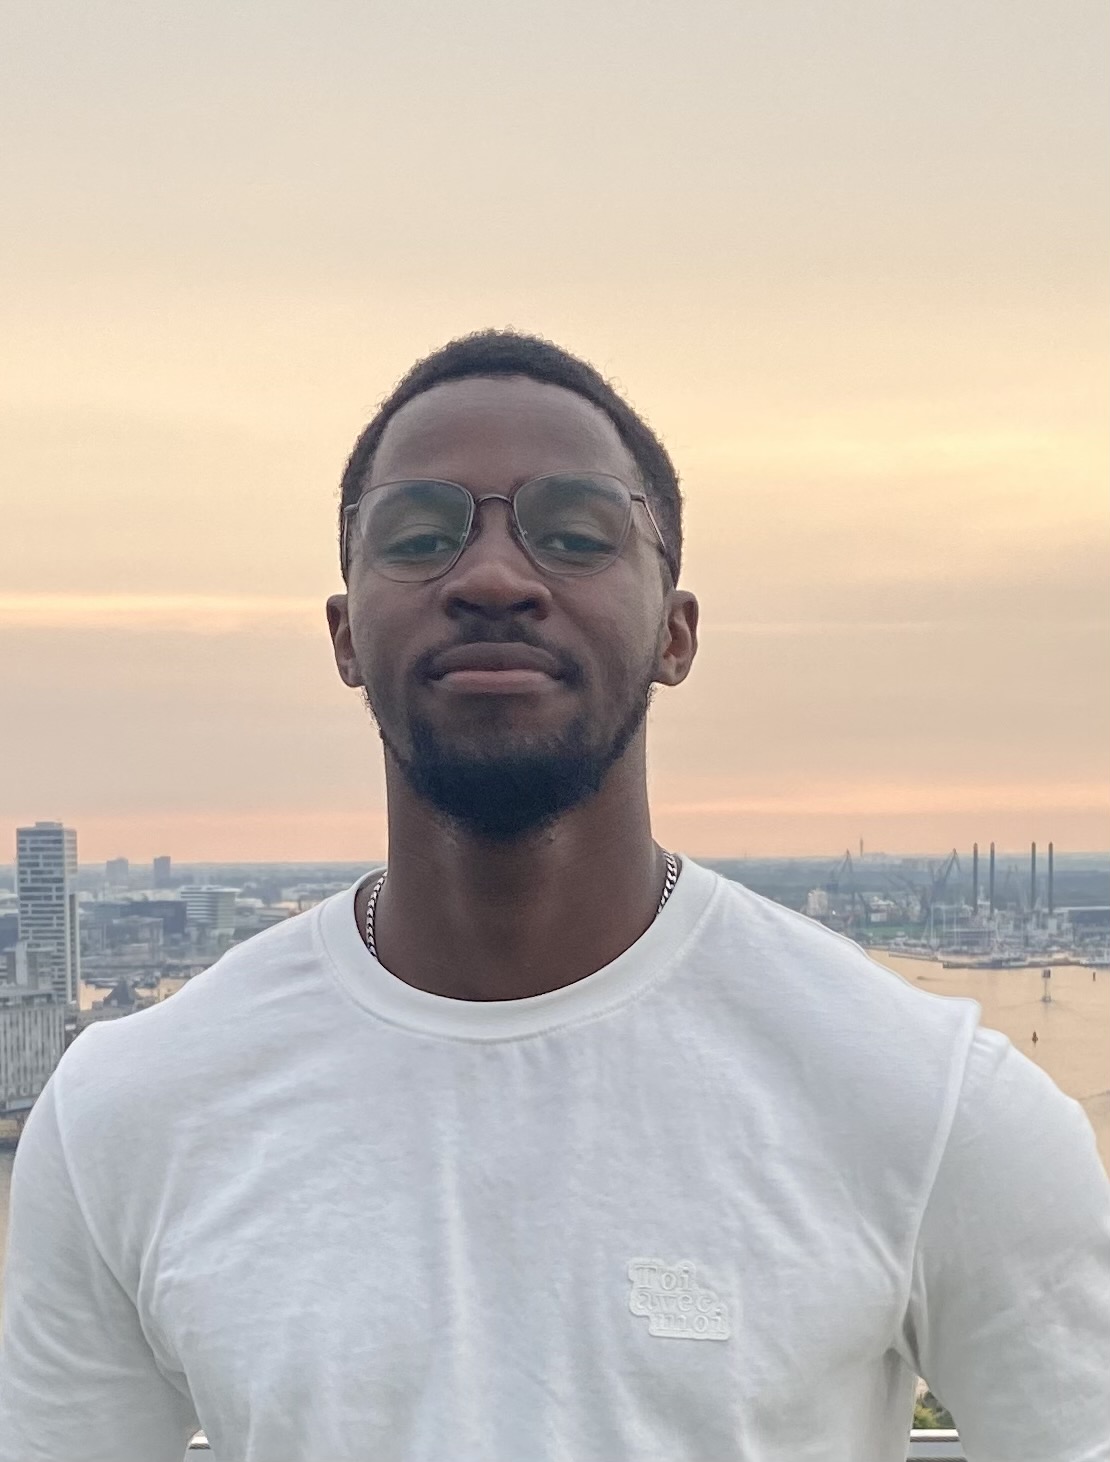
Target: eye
{"points": [[567, 540], [578, 536], [430, 543]]}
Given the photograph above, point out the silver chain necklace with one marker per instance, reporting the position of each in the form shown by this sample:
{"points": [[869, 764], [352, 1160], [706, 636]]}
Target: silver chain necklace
{"points": [[371, 904]]}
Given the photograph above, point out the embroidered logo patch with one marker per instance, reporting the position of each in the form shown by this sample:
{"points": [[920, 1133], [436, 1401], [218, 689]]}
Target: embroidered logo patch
{"points": [[675, 1304]]}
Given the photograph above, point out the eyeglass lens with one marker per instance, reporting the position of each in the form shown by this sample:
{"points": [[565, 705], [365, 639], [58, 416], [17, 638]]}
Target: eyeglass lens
{"points": [[570, 524]]}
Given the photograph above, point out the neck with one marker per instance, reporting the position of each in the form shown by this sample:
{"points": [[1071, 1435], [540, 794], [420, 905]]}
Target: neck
{"points": [[474, 921]]}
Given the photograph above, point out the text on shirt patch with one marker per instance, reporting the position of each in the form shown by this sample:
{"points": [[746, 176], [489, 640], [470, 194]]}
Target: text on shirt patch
{"points": [[675, 1304]]}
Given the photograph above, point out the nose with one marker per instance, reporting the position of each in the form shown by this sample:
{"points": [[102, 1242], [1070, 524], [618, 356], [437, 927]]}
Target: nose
{"points": [[494, 575]]}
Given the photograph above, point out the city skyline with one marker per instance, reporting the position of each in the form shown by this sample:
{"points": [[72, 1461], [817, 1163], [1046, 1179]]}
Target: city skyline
{"points": [[122, 871], [868, 325]]}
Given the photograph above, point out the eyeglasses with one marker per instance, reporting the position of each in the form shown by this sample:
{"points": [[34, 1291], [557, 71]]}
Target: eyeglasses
{"points": [[570, 523]]}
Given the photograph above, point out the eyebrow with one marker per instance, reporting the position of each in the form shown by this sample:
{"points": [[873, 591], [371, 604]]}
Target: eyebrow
{"points": [[514, 485]]}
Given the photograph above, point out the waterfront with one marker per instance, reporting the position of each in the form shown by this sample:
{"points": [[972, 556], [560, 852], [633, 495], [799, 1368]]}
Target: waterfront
{"points": [[89, 996], [1073, 1032]]}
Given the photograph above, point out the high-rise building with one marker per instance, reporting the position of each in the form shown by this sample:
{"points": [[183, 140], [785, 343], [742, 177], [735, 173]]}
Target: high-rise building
{"points": [[46, 872], [32, 1038], [17, 967], [163, 873], [210, 908], [117, 872], [9, 929]]}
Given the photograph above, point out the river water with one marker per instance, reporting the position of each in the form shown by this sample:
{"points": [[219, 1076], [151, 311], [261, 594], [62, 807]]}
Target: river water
{"points": [[1073, 1032]]}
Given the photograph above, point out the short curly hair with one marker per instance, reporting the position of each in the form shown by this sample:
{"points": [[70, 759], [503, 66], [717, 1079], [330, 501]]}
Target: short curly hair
{"points": [[508, 353]]}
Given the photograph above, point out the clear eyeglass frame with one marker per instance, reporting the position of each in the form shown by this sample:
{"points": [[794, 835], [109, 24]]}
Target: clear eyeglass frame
{"points": [[351, 512]]}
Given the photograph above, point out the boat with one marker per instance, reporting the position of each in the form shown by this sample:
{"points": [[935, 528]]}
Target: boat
{"points": [[987, 962]]}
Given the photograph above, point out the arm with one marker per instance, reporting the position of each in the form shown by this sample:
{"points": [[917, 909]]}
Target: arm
{"points": [[1008, 1317], [78, 1380]]}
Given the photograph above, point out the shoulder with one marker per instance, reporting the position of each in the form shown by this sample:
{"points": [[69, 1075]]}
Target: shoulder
{"points": [[821, 1015], [1010, 1121], [234, 1017], [1009, 1299], [798, 964]]}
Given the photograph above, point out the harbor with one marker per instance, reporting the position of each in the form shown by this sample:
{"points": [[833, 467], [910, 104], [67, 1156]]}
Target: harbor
{"points": [[1070, 1028]]}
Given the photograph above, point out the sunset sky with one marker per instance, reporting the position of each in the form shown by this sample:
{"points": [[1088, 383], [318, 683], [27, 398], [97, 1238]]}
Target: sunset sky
{"points": [[848, 259]]}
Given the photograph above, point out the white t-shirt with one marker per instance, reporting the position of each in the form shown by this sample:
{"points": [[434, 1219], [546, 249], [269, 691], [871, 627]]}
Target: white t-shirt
{"points": [[718, 1201]]}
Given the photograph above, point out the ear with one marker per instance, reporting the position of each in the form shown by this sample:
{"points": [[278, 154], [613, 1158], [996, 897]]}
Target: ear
{"points": [[679, 638], [339, 627]]}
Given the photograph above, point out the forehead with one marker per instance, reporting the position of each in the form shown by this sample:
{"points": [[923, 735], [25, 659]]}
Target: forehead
{"points": [[496, 432]]}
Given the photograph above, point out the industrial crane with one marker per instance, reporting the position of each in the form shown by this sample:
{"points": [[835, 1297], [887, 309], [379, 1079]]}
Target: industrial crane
{"points": [[928, 895], [844, 871], [940, 879], [844, 867], [939, 883]]}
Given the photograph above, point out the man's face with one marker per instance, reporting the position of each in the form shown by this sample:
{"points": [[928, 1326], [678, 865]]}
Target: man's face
{"points": [[506, 758]]}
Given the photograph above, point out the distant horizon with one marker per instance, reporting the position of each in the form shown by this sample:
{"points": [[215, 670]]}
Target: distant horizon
{"points": [[100, 840], [1068, 855]]}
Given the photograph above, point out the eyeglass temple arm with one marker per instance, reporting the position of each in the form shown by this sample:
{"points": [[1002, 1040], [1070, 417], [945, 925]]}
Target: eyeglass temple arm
{"points": [[641, 497], [345, 537]]}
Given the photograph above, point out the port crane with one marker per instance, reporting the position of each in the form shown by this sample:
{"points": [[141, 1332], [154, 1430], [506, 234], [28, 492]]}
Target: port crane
{"points": [[926, 895], [940, 880], [842, 869], [903, 890], [845, 873], [932, 896]]}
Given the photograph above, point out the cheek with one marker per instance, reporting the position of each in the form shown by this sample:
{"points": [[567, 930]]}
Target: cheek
{"points": [[379, 619], [376, 643], [625, 645]]}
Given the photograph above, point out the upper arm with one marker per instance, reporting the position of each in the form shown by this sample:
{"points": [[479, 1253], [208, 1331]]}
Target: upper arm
{"points": [[78, 1379], [1009, 1310]]}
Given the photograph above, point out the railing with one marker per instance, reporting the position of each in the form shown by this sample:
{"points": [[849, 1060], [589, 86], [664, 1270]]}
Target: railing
{"points": [[925, 1446], [936, 1443]]}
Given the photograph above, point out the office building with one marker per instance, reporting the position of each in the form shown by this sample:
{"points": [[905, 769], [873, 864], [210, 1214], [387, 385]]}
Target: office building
{"points": [[210, 908], [172, 913], [163, 873], [32, 1039], [9, 929], [117, 873], [18, 967], [97, 915], [46, 872]]}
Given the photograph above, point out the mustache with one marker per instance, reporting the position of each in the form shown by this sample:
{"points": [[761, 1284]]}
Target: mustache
{"points": [[505, 634]]}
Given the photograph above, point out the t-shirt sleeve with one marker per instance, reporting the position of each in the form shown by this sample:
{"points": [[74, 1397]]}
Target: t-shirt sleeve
{"points": [[78, 1380], [1008, 1319]]}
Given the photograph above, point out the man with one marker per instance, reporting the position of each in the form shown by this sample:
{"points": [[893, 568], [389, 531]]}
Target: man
{"points": [[544, 1142]]}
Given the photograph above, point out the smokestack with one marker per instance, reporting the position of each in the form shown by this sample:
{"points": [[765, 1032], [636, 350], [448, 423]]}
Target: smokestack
{"points": [[992, 879], [1032, 877], [1050, 878], [975, 878]]}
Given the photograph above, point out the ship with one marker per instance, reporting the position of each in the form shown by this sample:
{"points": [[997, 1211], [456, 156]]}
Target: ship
{"points": [[997, 959]]}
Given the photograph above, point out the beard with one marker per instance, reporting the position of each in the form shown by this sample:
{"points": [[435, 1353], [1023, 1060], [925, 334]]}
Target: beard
{"points": [[505, 795]]}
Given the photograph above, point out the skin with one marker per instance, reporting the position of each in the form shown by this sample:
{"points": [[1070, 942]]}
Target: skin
{"points": [[458, 916]]}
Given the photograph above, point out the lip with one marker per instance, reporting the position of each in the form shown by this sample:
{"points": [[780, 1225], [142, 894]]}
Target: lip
{"points": [[497, 682], [522, 662]]}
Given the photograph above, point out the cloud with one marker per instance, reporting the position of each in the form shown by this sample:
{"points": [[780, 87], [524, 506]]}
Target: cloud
{"points": [[157, 613], [900, 799]]}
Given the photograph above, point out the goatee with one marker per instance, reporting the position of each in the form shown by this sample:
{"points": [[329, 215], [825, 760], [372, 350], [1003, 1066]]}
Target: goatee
{"points": [[504, 796]]}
